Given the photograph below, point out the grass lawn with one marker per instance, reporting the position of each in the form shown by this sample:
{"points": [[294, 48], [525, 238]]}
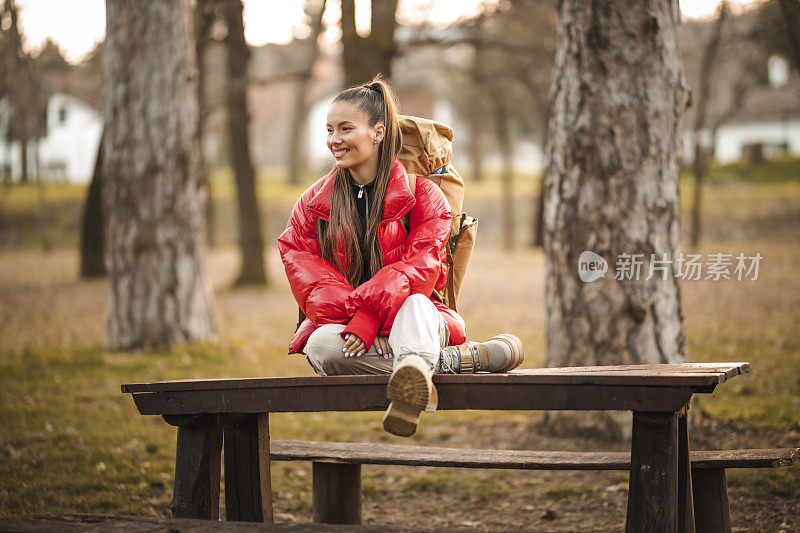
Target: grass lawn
{"points": [[70, 441]]}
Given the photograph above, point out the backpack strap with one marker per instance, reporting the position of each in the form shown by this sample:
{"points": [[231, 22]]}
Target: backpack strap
{"points": [[412, 184]]}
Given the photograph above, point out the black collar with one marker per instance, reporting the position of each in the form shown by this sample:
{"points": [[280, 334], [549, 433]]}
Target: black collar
{"points": [[369, 187]]}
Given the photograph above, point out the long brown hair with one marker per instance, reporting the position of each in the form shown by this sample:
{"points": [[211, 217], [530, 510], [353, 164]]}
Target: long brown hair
{"points": [[378, 102]]}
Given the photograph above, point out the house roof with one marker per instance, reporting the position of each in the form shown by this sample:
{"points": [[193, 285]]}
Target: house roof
{"points": [[767, 103]]}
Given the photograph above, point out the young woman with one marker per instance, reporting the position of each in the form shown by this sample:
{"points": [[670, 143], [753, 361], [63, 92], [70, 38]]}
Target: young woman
{"points": [[363, 255]]}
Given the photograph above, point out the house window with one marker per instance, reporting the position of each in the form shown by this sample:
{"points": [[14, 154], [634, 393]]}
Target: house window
{"points": [[62, 115]]}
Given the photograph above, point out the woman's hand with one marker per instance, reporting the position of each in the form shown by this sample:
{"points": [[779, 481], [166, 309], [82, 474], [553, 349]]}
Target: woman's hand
{"points": [[381, 345], [354, 346]]}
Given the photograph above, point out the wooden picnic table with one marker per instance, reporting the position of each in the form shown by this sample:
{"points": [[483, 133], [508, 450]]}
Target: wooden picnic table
{"points": [[660, 492]]}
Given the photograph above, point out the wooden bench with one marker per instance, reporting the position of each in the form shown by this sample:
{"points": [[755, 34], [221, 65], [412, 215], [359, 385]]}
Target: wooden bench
{"points": [[337, 471], [236, 411]]}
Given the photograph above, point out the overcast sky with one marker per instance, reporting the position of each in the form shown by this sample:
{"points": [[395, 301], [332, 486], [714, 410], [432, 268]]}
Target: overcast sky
{"points": [[77, 24]]}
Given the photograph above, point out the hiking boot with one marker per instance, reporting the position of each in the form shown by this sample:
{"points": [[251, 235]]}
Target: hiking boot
{"points": [[410, 391], [498, 354]]}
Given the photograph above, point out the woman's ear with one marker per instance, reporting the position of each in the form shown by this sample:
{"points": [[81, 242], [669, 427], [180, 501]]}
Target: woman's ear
{"points": [[380, 131]]}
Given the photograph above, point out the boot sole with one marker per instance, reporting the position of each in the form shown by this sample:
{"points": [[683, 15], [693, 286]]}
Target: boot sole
{"points": [[409, 391], [517, 350]]}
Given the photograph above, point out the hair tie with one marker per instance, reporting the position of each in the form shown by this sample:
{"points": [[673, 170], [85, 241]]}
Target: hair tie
{"points": [[372, 87]]}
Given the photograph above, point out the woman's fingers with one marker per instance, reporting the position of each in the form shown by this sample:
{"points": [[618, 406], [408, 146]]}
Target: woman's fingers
{"points": [[353, 346], [382, 346]]}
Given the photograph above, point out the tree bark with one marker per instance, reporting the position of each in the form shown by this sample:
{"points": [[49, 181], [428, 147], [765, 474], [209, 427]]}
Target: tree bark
{"points": [[505, 142], [538, 207], [700, 163], [92, 238], [352, 45], [791, 18], [23, 157], [363, 58], [204, 16], [475, 119], [612, 183], [381, 36], [251, 243], [297, 154], [153, 200], [538, 217], [475, 142]]}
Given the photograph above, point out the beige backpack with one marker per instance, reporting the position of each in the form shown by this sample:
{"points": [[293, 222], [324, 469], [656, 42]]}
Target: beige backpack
{"points": [[427, 152]]}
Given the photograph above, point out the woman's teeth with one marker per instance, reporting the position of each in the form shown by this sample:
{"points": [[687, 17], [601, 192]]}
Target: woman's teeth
{"points": [[340, 153]]}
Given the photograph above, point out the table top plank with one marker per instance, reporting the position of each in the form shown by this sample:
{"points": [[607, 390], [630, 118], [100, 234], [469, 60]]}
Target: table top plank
{"points": [[452, 396], [692, 375]]}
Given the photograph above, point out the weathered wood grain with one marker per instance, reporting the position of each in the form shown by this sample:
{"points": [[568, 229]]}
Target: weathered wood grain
{"points": [[197, 469], [394, 454], [653, 484], [451, 396], [685, 496], [337, 493], [248, 490], [712, 509], [90, 523], [675, 375]]}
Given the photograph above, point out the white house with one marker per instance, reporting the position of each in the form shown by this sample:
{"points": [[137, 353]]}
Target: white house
{"points": [[69, 150], [769, 116]]}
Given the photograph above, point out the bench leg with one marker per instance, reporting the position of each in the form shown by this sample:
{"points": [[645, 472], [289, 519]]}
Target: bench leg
{"points": [[196, 491], [337, 493], [685, 496], [248, 489], [653, 486], [712, 509]]}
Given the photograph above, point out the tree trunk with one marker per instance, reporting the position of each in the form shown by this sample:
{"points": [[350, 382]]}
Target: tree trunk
{"points": [[153, 200], [92, 239], [363, 58], [23, 156], [475, 141], [475, 118], [791, 18], [354, 71], [47, 244], [700, 163], [505, 142], [381, 36], [538, 208], [699, 167], [612, 183], [251, 243], [538, 216], [297, 153], [204, 16]]}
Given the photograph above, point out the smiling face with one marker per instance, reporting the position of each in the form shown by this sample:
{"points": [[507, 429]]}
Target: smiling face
{"points": [[352, 141]]}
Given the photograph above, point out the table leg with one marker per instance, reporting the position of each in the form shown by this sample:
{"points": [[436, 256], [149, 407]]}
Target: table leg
{"points": [[248, 488], [711, 500], [685, 496], [196, 490], [337, 493], [653, 487]]}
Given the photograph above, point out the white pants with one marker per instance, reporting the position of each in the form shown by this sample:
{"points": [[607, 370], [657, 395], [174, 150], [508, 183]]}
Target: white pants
{"points": [[418, 329]]}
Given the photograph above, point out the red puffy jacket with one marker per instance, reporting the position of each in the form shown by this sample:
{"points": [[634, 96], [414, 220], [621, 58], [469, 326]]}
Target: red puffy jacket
{"points": [[413, 263]]}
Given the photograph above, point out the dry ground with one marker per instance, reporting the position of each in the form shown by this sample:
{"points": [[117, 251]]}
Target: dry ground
{"points": [[70, 442]]}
